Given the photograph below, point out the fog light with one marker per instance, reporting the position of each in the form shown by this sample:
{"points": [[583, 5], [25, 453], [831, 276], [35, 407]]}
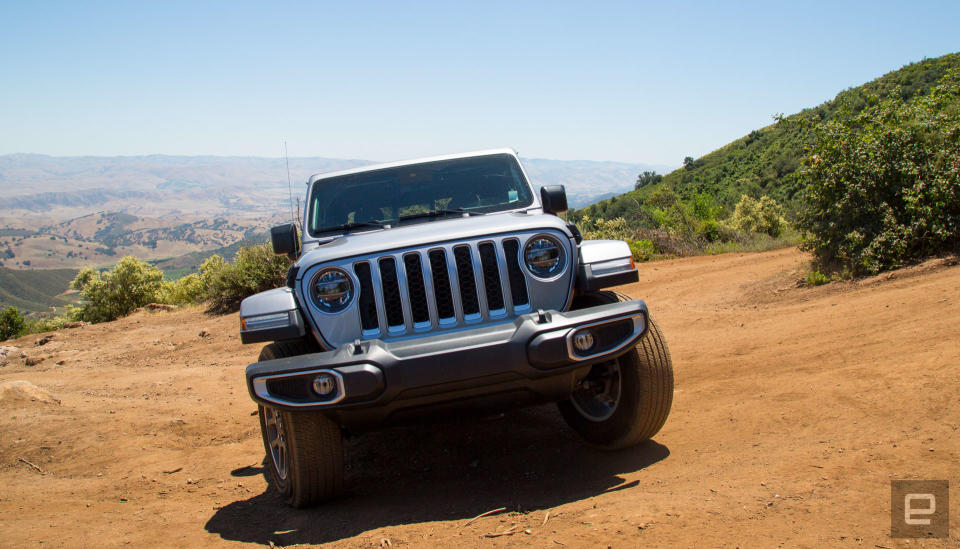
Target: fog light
{"points": [[324, 384], [583, 340]]}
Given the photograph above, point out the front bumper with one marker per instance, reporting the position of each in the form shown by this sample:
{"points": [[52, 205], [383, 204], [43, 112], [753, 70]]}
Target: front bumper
{"points": [[529, 359]]}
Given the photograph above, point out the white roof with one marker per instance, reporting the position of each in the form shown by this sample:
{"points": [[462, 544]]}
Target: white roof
{"points": [[361, 169]]}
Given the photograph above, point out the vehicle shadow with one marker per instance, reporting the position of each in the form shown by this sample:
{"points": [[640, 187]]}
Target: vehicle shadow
{"points": [[522, 460]]}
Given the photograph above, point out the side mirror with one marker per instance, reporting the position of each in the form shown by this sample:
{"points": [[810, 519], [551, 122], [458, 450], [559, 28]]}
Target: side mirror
{"points": [[284, 240], [553, 198]]}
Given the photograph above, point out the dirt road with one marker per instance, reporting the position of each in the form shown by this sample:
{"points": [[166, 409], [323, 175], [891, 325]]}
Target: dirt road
{"points": [[794, 408]]}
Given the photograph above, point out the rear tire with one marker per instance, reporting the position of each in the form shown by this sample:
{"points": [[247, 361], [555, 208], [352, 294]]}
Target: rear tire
{"points": [[630, 397], [304, 460]]}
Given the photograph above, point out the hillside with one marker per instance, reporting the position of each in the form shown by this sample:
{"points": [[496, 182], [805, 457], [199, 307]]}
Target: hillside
{"points": [[765, 162], [804, 404], [35, 290], [176, 267], [99, 239]]}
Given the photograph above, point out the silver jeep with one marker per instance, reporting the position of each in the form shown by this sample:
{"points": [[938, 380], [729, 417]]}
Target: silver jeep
{"points": [[444, 285]]}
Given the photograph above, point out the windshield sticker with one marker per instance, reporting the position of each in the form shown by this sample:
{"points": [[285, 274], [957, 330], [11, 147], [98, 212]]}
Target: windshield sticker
{"points": [[512, 196]]}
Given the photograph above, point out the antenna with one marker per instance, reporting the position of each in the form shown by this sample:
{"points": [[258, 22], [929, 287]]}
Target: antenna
{"points": [[299, 223], [290, 185]]}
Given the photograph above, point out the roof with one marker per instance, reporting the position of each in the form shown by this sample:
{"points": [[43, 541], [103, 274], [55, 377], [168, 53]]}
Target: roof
{"points": [[372, 167]]}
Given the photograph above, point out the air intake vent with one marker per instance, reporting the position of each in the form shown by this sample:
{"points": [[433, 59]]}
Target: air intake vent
{"points": [[468, 284], [392, 303], [368, 302], [491, 276], [418, 294], [518, 284], [441, 284]]}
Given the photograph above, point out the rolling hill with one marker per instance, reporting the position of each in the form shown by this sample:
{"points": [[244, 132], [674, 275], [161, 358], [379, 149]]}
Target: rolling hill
{"points": [[766, 161], [34, 290]]}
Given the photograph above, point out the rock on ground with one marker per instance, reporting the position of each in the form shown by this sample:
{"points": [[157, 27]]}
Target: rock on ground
{"points": [[24, 391]]}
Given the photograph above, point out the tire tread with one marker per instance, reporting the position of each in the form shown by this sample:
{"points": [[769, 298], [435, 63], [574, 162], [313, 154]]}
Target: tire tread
{"points": [[315, 444], [653, 368]]}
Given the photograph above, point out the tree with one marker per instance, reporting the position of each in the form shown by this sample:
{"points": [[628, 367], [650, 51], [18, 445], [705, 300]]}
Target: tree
{"points": [[648, 178], [11, 324], [882, 184], [254, 269], [115, 293], [688, 162]]}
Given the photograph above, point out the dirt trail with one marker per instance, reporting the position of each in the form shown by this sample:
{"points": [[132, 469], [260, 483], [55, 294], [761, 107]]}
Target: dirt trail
{"points": [[794, 408]]}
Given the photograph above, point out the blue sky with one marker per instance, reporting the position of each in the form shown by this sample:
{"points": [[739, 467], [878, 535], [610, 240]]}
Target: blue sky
{"points": [[629, 81]]}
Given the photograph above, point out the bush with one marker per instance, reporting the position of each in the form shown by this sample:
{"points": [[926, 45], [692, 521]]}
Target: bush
{"points": [[606, 229], [816, 278], [51, 323], [643, 250], [115, 293], [255, 269], [758, 216], [882, 184], [11, 324], [183, 291]]}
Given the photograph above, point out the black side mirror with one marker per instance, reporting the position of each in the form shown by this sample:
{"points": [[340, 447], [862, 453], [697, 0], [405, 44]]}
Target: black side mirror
{"points": [[553, 198], [284, 240]]}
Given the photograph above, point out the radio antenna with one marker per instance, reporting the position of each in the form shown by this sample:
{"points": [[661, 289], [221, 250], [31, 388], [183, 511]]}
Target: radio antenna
{"points": [[290, 185], [299, 223]]}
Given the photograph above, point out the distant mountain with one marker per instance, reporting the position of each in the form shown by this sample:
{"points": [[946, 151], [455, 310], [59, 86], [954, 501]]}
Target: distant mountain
{"points": [[155, 186], [158, 185]]}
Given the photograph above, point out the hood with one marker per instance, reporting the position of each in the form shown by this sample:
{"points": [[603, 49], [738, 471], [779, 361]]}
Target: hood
{"points": [[426, 232]]}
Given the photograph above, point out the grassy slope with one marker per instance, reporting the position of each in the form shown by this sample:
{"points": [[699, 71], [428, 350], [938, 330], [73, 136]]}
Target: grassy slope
{"points": [[34, 290], [765, 162]]}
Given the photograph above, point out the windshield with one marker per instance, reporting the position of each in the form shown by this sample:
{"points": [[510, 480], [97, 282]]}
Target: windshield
{"points": [[396, 195]]}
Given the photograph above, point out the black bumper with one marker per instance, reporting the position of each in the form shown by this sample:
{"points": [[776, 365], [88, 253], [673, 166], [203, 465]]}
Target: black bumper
{"points": [[531, 359]]}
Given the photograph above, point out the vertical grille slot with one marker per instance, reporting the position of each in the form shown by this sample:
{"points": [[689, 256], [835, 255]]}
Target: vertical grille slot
{"points": [[518, 283], [392, 304], [441, 284], [491, 276], [468, 284], [418, 293], [367, 301]]}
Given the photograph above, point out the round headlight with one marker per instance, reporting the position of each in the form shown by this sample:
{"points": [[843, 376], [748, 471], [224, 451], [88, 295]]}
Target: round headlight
{"points": [[544, 257], [331, 290]]}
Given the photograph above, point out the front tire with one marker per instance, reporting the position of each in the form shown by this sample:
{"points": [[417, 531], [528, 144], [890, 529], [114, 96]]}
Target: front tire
{"points": [[624, 401], [304, 460]]}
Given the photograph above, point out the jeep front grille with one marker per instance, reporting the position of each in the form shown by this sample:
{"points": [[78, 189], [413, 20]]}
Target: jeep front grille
{"points": [[441, 287]]}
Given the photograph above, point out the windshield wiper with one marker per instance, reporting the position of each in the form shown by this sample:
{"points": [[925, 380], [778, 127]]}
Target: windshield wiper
{"points": [[348, 226], [438, 213]]}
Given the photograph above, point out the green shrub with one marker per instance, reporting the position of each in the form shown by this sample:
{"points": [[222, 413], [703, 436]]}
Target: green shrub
{"points": [[758, 216], [642, 250], [183, 291], [115, 293], [50, 324], [255, 269], [605, 229], [11, 324], [816, 278], [882, 185]]}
